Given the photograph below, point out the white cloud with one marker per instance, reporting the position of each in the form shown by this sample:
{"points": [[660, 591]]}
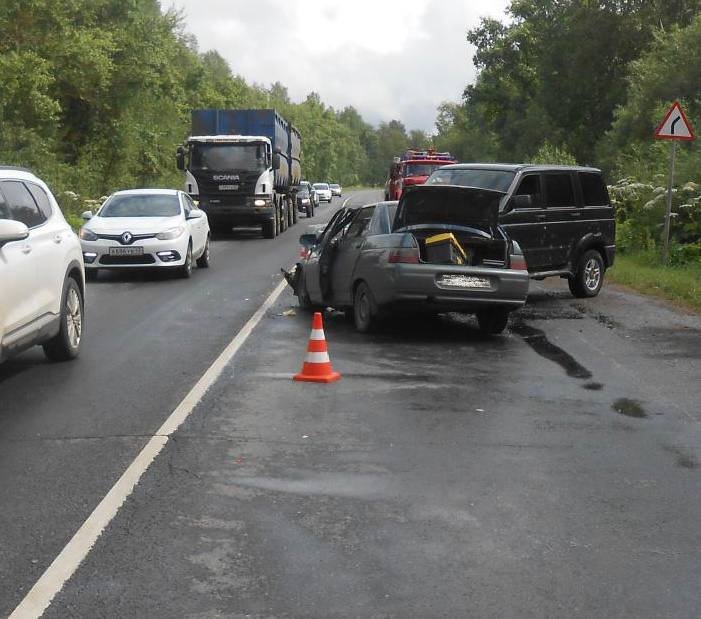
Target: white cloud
{"points": [[388, 59]]}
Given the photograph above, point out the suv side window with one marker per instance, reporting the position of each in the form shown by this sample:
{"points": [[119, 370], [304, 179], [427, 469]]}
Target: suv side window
{"points": [[40, 198], [22, 205], [594, 190], [559, 190], [530, 185]]}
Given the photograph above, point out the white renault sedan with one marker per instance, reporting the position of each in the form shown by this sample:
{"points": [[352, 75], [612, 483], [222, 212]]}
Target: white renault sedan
{"points": [[146, 228]]}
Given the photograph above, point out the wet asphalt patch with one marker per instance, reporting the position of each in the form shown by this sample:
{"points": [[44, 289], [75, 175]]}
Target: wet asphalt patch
{"points": [[685, 460], [540, 343], [629, 408]]}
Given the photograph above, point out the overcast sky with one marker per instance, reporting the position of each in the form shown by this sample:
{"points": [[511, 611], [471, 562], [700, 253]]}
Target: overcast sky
{"points": [[388, 58]]}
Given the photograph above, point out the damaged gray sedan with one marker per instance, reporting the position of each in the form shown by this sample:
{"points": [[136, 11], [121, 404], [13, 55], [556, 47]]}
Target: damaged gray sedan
{"points": [[440, 249]]}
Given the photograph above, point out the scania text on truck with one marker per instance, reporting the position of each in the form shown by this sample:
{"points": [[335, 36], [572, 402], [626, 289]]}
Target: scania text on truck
{"points": [[413, 168], [240, 165]]}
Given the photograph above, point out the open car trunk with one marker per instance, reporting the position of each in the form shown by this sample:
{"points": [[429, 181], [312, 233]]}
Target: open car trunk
{"points": [[468, 213], [480, 251]]}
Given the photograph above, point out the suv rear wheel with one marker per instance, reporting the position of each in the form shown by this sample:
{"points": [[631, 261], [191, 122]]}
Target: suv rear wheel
{"points": [[66, 343], [589, 276]]}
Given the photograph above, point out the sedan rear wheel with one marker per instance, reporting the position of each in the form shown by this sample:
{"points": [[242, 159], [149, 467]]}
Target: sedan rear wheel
{"points": [[364, 309], [493, 321], [66, 343]]}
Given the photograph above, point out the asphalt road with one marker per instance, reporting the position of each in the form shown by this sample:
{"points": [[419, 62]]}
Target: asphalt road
{"points": [[551, 471]]}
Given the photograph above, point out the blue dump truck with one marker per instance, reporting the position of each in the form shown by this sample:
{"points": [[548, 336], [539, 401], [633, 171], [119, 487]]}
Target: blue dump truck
{"points": [[241, 165]]}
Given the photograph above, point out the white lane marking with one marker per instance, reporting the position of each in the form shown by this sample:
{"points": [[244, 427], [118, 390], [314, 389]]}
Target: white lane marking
{"points": [[69, 559], [66, 563]]}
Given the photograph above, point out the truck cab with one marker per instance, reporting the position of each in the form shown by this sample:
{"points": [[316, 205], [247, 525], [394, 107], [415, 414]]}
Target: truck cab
{"points": [[240, 165], [413, 168]]}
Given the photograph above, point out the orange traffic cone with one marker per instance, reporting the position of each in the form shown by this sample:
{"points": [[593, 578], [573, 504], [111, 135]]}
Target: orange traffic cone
{"points": [[317, 366]]}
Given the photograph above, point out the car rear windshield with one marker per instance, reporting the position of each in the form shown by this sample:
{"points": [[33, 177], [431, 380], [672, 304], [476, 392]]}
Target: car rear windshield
{"points": [[141, 206], [499, 180]]}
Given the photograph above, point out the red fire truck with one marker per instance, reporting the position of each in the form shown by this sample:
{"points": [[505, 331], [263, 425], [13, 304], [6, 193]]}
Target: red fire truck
{"points": [[413, 168]]}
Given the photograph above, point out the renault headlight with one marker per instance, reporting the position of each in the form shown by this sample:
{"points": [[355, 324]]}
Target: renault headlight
{"points": [[87, 235], [259, 203], [171, 233]]}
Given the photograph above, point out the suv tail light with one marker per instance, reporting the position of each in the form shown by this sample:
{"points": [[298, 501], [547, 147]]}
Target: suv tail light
{"points": [[404, 255]]}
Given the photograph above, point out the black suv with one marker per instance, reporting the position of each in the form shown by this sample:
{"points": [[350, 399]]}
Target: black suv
{"points": [[561, 217]]}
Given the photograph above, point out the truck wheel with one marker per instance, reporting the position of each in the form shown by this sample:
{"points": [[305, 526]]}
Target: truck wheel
{"points": [[282, 219], [269, 229], [66, 343], [589, 276], [493, 321], [364, 309]]}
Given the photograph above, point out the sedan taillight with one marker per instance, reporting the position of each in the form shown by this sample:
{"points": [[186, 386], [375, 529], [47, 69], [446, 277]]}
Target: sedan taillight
{"points": [[518, 262], [404, 255]]}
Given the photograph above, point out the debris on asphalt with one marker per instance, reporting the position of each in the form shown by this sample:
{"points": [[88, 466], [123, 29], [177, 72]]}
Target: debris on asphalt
{"points": [[289, 312]]}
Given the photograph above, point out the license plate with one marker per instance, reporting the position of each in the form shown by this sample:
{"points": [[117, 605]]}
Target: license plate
{"points": [[126, 251], [228, 187], [463, 281]]}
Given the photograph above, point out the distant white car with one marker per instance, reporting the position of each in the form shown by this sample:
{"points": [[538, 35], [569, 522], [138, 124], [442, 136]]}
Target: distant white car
{"points": [[146, 228], [42, 282], [323, 191], [336, 189]]}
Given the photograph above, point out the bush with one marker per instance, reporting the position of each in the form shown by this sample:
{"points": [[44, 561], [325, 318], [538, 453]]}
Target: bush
{"points": [[640, 213]]}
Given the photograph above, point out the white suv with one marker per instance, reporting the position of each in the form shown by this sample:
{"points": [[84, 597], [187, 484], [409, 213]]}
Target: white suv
{"points": [[42, 280]]}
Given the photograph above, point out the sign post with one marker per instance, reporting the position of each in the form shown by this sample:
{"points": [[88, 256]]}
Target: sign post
{"points": [[674, 127]]}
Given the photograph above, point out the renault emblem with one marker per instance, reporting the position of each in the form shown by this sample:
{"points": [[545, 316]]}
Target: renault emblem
{"points": [[127, 238]]}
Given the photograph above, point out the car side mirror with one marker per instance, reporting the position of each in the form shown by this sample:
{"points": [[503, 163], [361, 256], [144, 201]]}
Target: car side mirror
{"points": [[276, 161], [308, 240], [86, 215], [180, 158], [194, 215], [11, 231], [522, 201]]}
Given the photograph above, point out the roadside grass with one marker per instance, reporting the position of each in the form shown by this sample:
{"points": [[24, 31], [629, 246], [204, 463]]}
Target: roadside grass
{"points": [[644, 273]]}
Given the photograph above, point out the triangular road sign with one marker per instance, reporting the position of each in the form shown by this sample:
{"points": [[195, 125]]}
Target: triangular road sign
{"points": [[676, 125]]}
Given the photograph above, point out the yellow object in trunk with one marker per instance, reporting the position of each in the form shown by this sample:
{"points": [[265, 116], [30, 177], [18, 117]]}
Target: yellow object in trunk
{"points": [[445, 249]]}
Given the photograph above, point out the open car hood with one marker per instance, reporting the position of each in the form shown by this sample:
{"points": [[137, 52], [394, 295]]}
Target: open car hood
{"points": [[448, 205]]}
